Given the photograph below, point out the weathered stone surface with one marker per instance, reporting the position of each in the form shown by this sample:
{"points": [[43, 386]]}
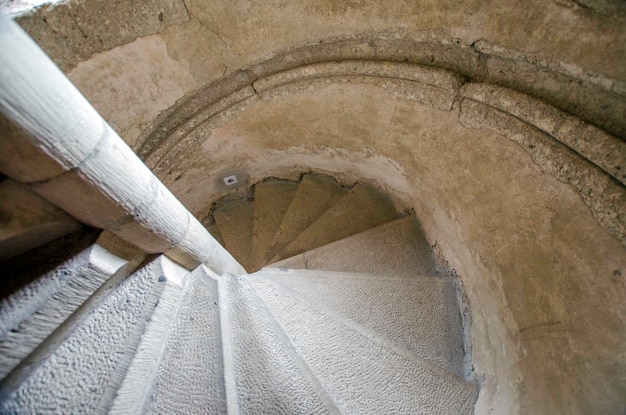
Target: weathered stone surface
{"points": [[364, 207], [271, 201], [28, 221], [605, 196], [392, 381], [395, 248], [527, 247], [603, 150], [73, 31], [542, 275]]}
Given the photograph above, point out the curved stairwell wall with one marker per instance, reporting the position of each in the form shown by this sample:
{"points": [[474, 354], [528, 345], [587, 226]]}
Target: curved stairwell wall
{"points": [[500, 124]]}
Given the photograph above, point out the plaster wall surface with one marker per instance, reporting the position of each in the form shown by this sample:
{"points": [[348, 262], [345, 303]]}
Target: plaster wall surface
{"points": [[539, 254]]}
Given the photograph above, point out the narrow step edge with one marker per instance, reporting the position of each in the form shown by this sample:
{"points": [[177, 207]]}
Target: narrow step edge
{"points": [[313, 273], [306, 371], [82, 279], [131, 346], [230, 383], [42, 353], [131, 396], [370, 334]]}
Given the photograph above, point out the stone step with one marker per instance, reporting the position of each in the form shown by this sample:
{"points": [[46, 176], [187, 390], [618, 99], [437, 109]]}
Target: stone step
{"points": [[191, 373], [235, 221], [394, 248], [267, 376], [132, 395], [82, 372], [271, 200], [315, 195], [31, 313], [417, 313], [361, 370], [362, 208]]}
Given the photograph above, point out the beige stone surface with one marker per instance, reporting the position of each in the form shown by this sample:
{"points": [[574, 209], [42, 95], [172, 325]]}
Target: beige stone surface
{"points": [[271, 200], [235, 221], [364, 207], [152, 82], [531, 255], [72, 31], [533, 236], [315, 195], [28, 221]]}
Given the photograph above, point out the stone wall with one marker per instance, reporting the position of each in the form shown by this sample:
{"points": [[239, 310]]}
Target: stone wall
{"points": [[500, 123]]}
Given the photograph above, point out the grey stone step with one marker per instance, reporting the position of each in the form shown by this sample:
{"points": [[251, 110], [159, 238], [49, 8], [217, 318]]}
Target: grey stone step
{"points": [[362, 208], [31, 314], [82, 373], [235, 221], [398, 247], [190, 377], [271, 200], [267, 375], [132, 395], [418, 313], [315, 195], [362, 371]]}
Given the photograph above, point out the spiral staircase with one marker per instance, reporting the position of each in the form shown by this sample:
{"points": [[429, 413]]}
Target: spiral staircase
{"points": [[342, 312]]}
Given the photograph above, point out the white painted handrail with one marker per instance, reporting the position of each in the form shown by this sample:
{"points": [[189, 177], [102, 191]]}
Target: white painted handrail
{"points": [[54, 141]]}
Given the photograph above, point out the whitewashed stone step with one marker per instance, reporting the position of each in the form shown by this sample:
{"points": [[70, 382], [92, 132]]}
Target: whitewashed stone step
{"points": [[419, 313], [132, 396], [190, 377], [363, 372], [269, 377], [82, 374], [31, 314]]}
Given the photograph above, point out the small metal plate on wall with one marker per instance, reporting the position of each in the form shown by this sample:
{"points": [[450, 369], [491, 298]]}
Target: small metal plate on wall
{"points": [[230, 180]]}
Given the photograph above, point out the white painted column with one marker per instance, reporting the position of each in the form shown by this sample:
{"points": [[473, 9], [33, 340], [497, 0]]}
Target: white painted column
{"points": [[53, 140]]}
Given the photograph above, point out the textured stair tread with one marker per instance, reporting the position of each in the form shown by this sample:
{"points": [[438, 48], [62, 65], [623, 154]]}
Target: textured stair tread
{"points": [[84, 371], [191, 372], [235, 221], [362, 208], [359, 371], [131, 395], [315, 195], [268, 379], [417, 313], [398, 247], [271, 200], [30, 315]]}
